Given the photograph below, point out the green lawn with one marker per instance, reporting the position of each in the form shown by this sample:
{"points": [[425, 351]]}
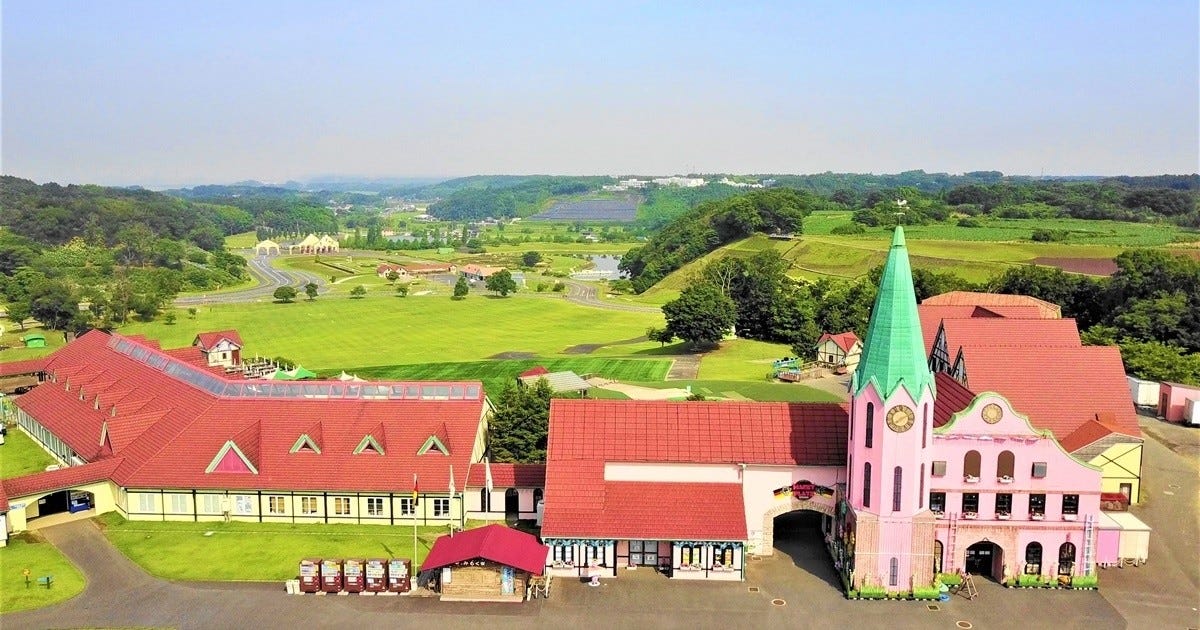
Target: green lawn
{"points": [[24, 551], [255, 551], [245, 240], [742, 360], [764, 391], [20, 455], [496, 374], [381, 329], [16, 348]]}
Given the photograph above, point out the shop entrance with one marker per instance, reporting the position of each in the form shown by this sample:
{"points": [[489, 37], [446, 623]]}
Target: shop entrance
{"points": [[62, 502], [983, 558], [800, 536]]}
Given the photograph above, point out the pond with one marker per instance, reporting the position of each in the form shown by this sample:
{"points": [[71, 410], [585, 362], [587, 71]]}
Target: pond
{"points": [[603, 266]]}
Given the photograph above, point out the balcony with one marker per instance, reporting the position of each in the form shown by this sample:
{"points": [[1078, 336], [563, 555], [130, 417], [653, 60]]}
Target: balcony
{"points": [[1034, 516], [1002, 516], [970, 479], [1004, 479], [1070, 517], [970, 516]]}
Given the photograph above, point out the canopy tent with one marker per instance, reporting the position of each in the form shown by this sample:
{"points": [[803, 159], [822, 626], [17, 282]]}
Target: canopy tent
{"points": [[265, 247], [295, 374]]}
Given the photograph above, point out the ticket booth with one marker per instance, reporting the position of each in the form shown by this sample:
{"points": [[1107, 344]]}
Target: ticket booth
{"points": [[310, 575], [352, 576], [399, 575], [376, 575], [331, 576]]}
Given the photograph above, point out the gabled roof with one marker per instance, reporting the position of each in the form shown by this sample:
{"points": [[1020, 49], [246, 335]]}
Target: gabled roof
{"points": [[536, 370], [586, 434], [27, 366], [166, 430], [60, 479], [894, 353], [1060, 389], [208, 340], [509, 476], [558, 381], [1047, 310], [952, 397], [1093, 431], [845, 340], [437, 441], [496, 543]]}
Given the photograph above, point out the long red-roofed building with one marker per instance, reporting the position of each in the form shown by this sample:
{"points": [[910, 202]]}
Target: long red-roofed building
{"points": [[163, 435]]}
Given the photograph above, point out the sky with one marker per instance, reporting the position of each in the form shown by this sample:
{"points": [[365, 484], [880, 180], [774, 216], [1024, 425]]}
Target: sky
{"points": [[187, 91]]}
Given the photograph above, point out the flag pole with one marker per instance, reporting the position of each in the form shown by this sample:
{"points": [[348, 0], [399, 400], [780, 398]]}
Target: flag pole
{"points": [[414, 518]]}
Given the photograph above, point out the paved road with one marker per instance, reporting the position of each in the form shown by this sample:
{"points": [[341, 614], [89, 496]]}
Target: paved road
{"points": [[587, 295], [268, 279]]}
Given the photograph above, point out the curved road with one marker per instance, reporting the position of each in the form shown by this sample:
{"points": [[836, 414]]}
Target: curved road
{"points": [[269, 278], [588, 295]]}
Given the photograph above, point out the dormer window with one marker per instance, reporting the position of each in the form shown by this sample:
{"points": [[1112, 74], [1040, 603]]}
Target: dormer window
{"points": [[433, 444], [305, 444], [368, 445]]}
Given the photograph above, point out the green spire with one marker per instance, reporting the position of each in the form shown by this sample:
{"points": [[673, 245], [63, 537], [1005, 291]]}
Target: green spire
{"points": [[894, 351]]}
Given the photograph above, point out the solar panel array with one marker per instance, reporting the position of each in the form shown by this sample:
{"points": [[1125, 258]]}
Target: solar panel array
{"points": [[624, 210], [217, 386]]}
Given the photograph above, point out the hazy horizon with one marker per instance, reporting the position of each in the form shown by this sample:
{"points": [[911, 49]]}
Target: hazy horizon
{"points": [[174, 94]]}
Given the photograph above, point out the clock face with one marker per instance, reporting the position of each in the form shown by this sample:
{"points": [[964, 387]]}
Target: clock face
{"points": [[992, 413], [901, 418]]}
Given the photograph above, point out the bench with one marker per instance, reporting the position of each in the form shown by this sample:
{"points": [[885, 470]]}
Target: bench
{"points": [[45, 580]]}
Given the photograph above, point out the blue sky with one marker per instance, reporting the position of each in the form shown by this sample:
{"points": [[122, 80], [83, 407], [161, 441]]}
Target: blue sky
{"points": [[182, 92]]}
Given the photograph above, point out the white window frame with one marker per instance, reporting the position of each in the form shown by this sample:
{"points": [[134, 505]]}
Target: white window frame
{"points": [[441, 507], [341, 506], [146, 503], [309, 506], [375, 506], [407, 506], [179, 504], [277, 505], [243, 504], [211, 504]]}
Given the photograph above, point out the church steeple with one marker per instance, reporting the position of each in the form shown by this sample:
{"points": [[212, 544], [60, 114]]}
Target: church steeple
{"points": [[894, 352]]}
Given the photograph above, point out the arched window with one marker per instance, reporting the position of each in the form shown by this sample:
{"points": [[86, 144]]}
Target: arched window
{"points": [[897, 487], [1033, 558], [537, 497], [867, 484], [938, 552], [921, 491], [893, 571], [971, 465], [870, 424], [925, 426], [1006, 463], [1066, 559], [485, 500]]}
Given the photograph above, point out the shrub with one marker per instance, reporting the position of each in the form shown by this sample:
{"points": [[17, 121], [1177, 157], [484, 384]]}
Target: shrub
{"points": [[949, 579], [1048, 236], [927, 592], [1029, 580], [848, 228], [872, 592], [1085, 581], [559, 287], [969, 222]]}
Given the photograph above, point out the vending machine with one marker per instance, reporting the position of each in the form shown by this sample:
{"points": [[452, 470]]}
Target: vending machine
{"points": [[352, 576], [331, 576], [376, 572], [399, 575], [310, 575]]}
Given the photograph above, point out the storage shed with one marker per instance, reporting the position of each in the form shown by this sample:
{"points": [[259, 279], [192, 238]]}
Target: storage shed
{"points": [[34, 340], [1173, 400], [487, 564]]}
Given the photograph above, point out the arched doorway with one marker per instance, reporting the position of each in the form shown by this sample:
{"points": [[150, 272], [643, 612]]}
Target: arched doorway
{"points": [[512, 506], [796, 529], [985, 558]]}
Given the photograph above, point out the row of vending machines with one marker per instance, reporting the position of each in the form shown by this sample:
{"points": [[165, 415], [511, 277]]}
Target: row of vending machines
{"points": [[355, 576]]}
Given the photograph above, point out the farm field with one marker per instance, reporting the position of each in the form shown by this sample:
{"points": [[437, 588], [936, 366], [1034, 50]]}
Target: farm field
{"points": [[620, 209], [381, 329], [26, 551], [762, 391], [170, 550], [499, 373]]}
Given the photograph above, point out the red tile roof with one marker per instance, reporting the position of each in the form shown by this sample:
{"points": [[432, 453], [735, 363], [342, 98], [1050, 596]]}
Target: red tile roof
{"points": [[845, 340], [971, 298], [1091, 432], [585, 434], [61, 479], [497, 543], [1004, 325], [209, 339], [1060, 389], [951, 398], [536, 370], [27, 366], [165, 432], [509, 476]]}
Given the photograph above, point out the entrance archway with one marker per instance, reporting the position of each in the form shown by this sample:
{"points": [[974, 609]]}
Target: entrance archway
{"points": [[985, 558], [818, 503]]}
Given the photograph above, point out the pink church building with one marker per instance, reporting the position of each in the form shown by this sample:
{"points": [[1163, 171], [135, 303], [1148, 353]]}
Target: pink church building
{"points": [[917, 475]]}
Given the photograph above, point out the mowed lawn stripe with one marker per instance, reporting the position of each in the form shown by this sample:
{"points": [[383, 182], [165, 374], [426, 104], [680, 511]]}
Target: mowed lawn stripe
{"points": [[498, 373], [328, 333]]}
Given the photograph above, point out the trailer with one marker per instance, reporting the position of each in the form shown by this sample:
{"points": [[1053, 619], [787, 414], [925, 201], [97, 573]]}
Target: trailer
{"points": [[1144, 393], [1121, 539]]}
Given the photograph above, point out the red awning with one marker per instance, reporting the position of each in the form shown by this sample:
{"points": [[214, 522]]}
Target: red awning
{"points": [[497, 543]]}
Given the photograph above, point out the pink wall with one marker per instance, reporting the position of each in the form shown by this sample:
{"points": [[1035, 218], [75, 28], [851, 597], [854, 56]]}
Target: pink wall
{"points": [[1064, 475], [908, 451], [1173, 399]]}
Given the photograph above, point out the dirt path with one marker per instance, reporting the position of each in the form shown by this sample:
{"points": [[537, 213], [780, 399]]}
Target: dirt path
{"points": [[685, 367]]}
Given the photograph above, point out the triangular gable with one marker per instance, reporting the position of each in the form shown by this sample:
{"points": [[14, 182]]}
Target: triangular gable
{"points": [[368, 444], [434, 443], [305, 444], [959, 370], [230, 459]]}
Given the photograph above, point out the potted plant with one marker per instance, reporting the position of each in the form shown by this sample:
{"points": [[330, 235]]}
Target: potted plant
{"points": [[970, 479], [1003, 516], [1036, 516], [970, 516], [1005, 479]]}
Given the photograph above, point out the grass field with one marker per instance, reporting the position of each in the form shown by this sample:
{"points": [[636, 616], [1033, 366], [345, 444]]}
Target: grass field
{"points": [[742, 360], [255, 551], [16, 348], [245, 240], [25, 551], [20, 455], [763, 391], [497, 374], [332, 333]]}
